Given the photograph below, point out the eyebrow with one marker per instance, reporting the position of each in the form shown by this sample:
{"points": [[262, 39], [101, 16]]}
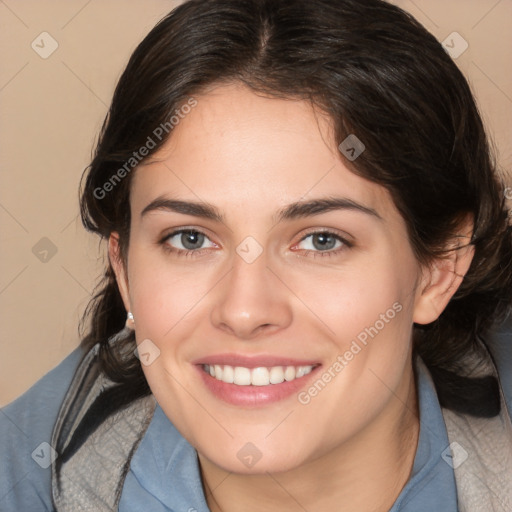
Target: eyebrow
{"points": [[196, 209], [292, 211], [318, 206]]}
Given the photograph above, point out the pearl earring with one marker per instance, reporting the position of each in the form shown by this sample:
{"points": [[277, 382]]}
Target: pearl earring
{"points": [[130, 322]]}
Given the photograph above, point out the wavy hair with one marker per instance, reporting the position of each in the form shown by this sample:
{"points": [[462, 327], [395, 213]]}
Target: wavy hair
{"points": [[378, 74]]}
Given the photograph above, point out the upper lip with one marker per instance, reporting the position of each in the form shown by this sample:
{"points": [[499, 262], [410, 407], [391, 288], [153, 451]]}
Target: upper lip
{"points": [[254, 361]]}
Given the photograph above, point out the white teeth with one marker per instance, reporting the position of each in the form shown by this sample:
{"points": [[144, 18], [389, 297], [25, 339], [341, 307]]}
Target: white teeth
{"points": [[218, 371], [228, 374], [261, 376], [276, 375], [289, 373], [242, 376]]}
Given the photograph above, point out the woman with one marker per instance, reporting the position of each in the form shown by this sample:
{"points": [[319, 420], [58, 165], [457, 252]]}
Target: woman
{"points": [[308, 251]]}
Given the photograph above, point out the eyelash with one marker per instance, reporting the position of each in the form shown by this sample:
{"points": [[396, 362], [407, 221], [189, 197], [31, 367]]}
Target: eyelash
{"points": [[197, 252], [345, 244], [187, 253]]}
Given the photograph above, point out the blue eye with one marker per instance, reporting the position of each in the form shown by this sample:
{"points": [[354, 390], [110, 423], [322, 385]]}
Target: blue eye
{"points": [[186, 240], [191, 242], [323, 243]]}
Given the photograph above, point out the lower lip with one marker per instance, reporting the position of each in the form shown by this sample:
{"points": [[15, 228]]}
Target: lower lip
{"points": [[254, 396]]}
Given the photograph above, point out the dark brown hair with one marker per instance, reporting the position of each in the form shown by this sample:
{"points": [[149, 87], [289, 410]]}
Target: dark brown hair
{"points": [[378, 74]]}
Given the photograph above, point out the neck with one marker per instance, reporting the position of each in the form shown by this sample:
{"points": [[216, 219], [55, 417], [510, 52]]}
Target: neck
{"points": [[367, 472]]}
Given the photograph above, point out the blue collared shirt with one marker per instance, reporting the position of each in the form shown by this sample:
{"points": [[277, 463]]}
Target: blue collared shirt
{"points": [[164, 473]]}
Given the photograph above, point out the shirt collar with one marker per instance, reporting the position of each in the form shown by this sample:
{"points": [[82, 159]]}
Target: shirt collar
{"points": [[431, 485], [166, 465]]}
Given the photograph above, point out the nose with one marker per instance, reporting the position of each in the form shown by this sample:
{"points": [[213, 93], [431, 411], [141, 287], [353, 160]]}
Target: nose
{"points": [[251, 301]]}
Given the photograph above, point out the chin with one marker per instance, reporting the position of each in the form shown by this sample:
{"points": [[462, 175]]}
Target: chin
{"points": [[254, 458]]}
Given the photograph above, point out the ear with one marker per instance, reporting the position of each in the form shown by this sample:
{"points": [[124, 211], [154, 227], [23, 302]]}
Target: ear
{"points": [[114, 255], [441, 280]]}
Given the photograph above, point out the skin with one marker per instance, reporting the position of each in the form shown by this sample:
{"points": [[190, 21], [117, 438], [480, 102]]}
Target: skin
{"points": [[250, 156]]}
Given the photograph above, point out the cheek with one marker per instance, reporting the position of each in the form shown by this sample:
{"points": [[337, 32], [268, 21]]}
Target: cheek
{"points": [[162, 294], [368, 311], [361, 301]]}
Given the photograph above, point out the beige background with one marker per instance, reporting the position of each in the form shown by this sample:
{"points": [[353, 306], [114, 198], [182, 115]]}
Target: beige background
{"points": [[51, 112]]}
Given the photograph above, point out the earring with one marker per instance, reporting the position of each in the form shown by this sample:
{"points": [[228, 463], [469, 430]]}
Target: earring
{"points": [[130, 322]]}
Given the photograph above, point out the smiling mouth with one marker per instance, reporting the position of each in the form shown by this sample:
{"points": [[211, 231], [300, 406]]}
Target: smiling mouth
{"points": [[262, 376]]}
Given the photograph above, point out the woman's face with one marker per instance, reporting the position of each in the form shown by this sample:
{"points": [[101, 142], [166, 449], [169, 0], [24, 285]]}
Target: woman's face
{"points": [[291, 264]]}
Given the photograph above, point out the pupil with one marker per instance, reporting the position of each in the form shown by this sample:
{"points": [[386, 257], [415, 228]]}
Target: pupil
{"points": [[191, 238], [323, 241]]}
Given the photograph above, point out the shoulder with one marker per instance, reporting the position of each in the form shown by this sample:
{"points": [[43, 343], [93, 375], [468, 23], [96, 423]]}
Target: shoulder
{"points": [[499, 341], [25, 451]]}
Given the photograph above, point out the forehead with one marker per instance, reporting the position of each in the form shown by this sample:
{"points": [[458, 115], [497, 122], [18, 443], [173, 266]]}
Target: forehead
{"points": [[237, 148]]}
